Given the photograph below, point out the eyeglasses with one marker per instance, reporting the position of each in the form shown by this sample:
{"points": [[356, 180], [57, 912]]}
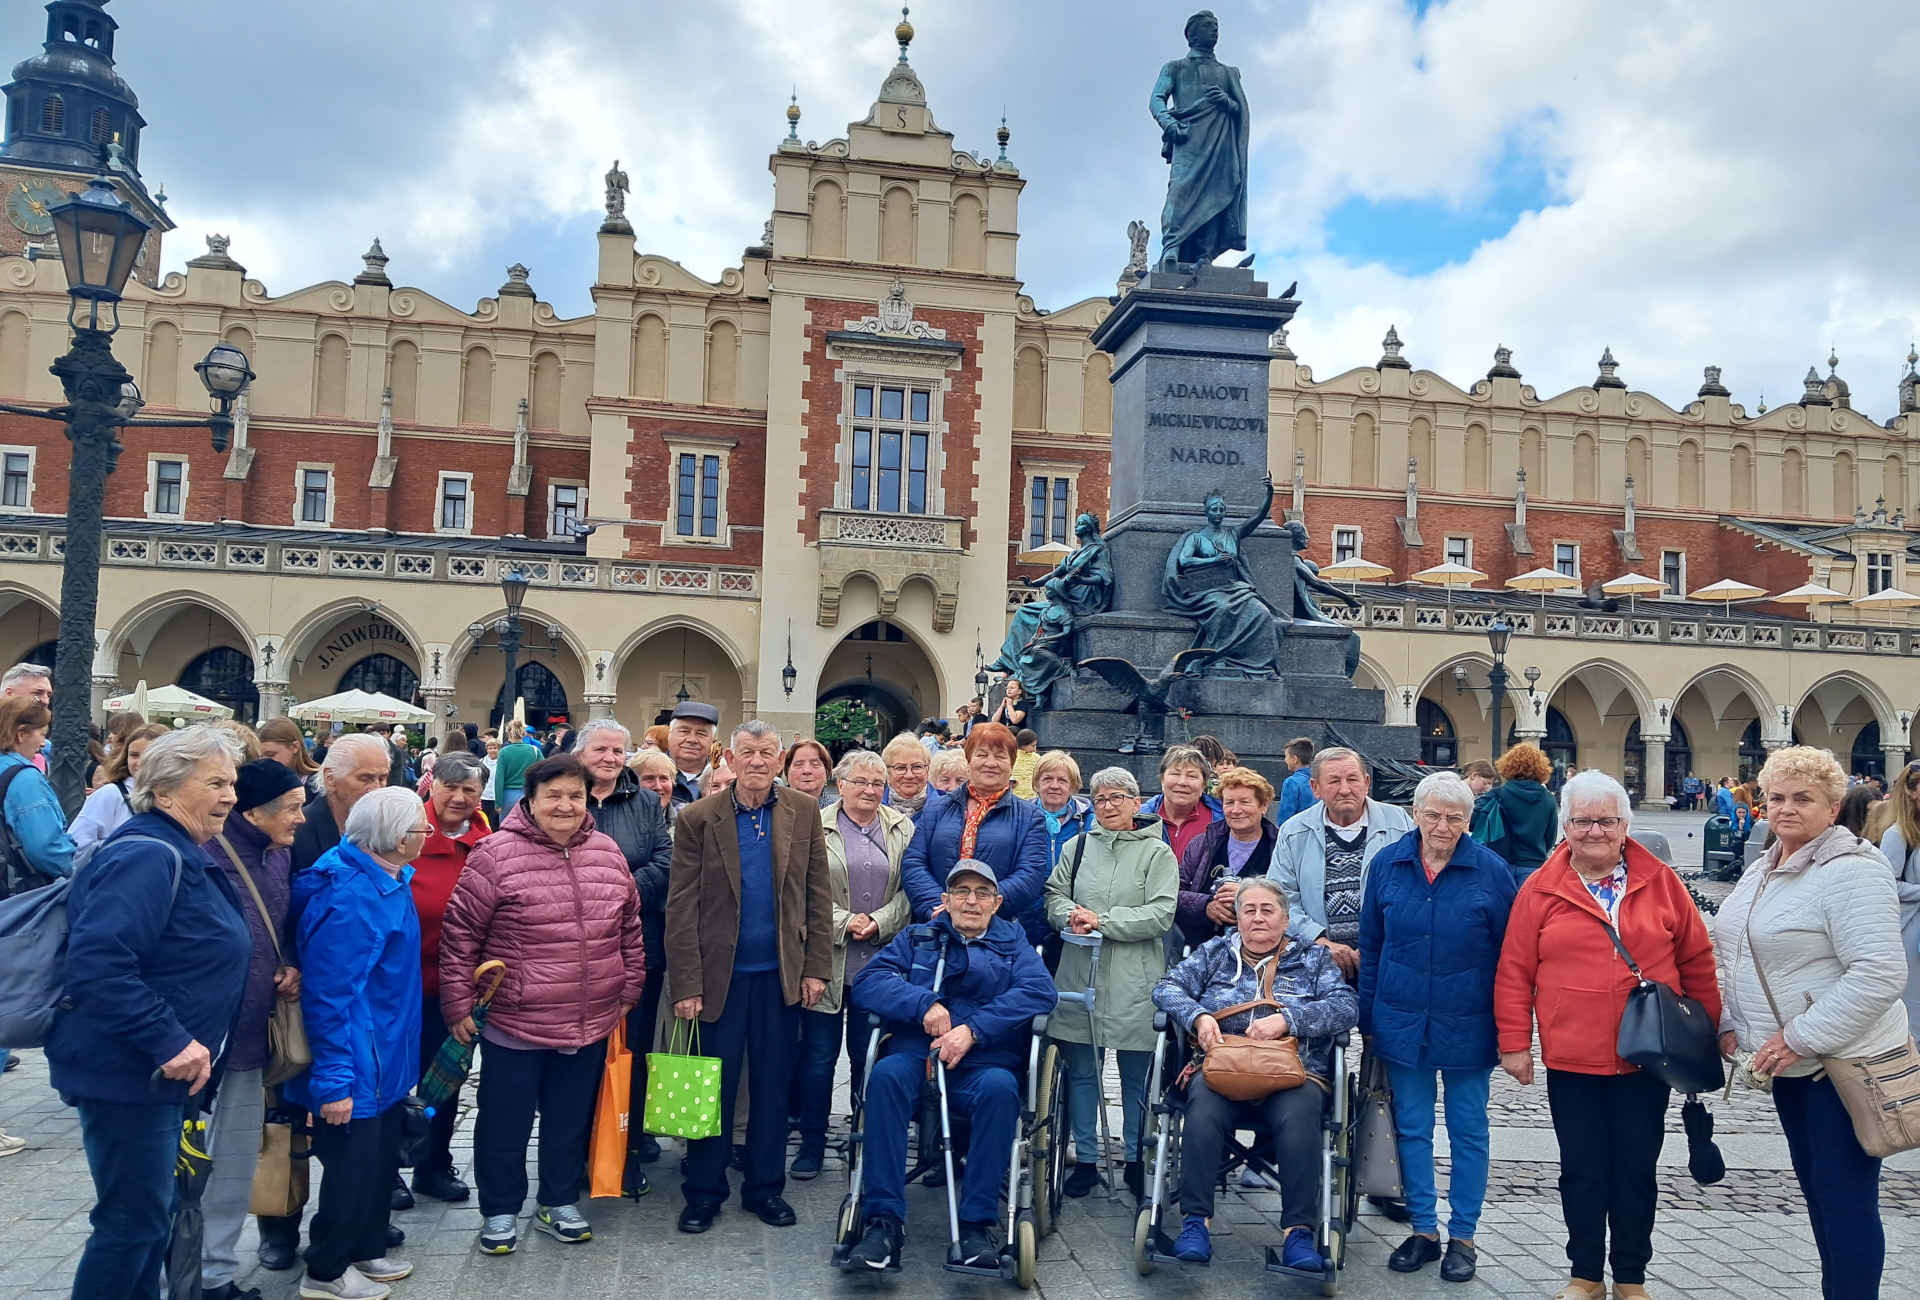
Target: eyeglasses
{"points": [[906, 767], [421, 830], [1435, 817], [981, 894], [1111, 800], [1581, 825], [867, 784]]}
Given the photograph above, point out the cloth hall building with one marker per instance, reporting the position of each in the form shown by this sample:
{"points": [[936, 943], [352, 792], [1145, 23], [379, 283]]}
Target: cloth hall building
{"points": [[833, 456]]}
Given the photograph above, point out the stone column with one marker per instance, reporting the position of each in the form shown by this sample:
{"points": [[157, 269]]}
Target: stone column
{"points": [[599, 706], [1653, 774], [435, 701], [1896, 759], [103, 686], [272, 699]]}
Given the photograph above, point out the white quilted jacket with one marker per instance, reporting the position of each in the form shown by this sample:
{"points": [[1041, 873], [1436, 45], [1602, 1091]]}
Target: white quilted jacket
{"points": [[1826, 926]]}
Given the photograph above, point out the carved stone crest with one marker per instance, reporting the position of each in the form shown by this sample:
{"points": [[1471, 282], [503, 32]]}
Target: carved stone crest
{"points": [[895, 319]]}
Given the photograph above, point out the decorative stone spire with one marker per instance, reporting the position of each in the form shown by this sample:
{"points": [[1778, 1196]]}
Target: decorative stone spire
{"points": [[1503, 364], [516, 285], [376, 266], [1607, 377], [1910, 382], [793, 114], [1413, 487], [1003, 135], [520, 476], [217, 258], [1712, 387], [903, 32], [1880, 510], [1390, 358], [1277, 346], [1631, 508], [385, 463], [902, 85], [1816, 389], [1299, 510], [1837, 390], [1762, 408], [1520, 496]]}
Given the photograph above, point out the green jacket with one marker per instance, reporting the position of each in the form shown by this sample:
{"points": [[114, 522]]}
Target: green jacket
{"points": [[510, 769], [1131, 880], [892, 916]]}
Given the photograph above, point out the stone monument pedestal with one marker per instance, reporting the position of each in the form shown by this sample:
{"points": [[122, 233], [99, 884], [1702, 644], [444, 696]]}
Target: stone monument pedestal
{"points": [[1190, 417]]}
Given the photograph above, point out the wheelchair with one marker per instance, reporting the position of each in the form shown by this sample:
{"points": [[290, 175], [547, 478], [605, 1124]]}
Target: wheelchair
{"points": [[1035, 1168], [1339, 1193]]}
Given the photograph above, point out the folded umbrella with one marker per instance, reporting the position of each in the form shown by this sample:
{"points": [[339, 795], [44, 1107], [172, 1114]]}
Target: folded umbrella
{"points": [[1704, 1160], [454, 1061], [191, 1170]]}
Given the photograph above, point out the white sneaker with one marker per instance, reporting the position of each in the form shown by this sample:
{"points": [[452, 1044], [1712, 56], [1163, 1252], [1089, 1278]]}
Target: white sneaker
{"points": [[384, 1269], [350, 1285], [11, 1146]]}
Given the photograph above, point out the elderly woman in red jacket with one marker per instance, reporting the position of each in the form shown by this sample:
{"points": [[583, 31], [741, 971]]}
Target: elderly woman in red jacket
{"points": [[552, 898], [1558, 966]]}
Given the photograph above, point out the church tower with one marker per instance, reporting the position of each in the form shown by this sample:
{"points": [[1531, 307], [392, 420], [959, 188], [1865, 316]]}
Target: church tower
{"points": [[67, 110]]}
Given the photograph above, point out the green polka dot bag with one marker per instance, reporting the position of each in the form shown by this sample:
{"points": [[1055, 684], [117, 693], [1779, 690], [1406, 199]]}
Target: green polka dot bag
{"points": [[683, 1088]]}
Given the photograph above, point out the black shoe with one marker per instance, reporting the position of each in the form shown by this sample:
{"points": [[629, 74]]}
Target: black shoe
{"points": [[441, 1183], [1414, 1254], [806, 1161], [1135, 1176], [976, 1246], [395, 1237], [401, 1198], [774, 1212], [738, 1160], [698, 1216], [646, 1150], [1084, 1178], [1460, 1261], [633, 1183], [231, 1291], [1391, 1208], [879, 1247], [278, 1255]]}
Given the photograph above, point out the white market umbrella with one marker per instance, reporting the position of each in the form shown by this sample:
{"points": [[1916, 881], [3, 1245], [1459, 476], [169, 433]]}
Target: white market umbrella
{"points": [[168, 702], [1542, 581], [1726, 591], [1050, 554], [362, 708], [1809, 594], [1355, 569], [1633, 586], [1889, 599], [1449, 575]]}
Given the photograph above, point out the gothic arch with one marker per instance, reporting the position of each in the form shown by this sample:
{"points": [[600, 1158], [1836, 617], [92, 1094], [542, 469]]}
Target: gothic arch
{"points": [[306, 632], [1585, 672], [168, 604], [667, 623]]}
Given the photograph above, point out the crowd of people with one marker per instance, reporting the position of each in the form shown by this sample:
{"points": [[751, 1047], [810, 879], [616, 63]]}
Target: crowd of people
{"points": [[774, 893]]}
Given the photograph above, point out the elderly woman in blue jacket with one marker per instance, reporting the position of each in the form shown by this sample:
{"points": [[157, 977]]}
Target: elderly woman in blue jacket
{"points": [[1431, 924], [359, 958], [985, 820]]}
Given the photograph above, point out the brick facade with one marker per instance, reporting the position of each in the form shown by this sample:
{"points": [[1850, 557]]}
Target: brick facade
{"points": [[650, 484]]}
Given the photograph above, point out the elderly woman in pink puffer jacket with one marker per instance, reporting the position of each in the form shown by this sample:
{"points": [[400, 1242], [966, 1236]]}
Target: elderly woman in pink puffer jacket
{"points": [[551, 897]]}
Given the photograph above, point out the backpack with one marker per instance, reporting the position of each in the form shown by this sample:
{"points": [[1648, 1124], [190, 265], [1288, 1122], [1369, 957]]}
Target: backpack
{"points": [[33, 955], [1489, 823], [17, 874]]}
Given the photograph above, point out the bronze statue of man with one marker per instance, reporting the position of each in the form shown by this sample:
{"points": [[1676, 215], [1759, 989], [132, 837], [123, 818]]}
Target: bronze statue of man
{"points": [[1202, 113]]}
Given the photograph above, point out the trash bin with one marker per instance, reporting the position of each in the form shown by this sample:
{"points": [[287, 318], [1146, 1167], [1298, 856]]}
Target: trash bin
{"points": [[1719, 849]]}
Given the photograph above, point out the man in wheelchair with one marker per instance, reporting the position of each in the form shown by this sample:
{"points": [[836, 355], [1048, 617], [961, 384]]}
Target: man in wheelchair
{"points": [[976, 1020], [1298, 993]]}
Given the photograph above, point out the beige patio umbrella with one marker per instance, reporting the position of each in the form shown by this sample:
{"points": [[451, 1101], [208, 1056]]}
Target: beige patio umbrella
{"points": [[1889, 599], [1449, 575], [1050, 554], [168, 702], [1810, 594], [1726, 591], [1355, 569], [1633, 586], [1542, 581]]}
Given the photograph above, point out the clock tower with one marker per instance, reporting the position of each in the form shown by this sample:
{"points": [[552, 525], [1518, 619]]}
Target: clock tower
{"points": [[66, 108]]}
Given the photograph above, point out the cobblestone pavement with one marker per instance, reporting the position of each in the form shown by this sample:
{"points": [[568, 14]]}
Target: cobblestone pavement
{"points": [[1743, 1238]]}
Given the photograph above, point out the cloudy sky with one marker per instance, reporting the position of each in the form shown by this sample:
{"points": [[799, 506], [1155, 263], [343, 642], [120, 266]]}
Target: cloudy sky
{"points": [[1687, 182]]}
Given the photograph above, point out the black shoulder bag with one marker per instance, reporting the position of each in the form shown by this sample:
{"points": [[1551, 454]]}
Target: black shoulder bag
{"points": [[1668, 1035]]}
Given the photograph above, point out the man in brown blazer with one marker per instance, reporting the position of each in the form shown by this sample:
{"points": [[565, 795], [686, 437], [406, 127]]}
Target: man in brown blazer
{"points": [[749, 942]]}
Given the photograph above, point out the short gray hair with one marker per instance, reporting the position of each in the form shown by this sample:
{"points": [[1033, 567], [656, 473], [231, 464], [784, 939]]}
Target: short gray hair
{"points": [[347, 751], [1258, 884], [1590, 786], [382, 819], [1338, 752], [755, 729], [173, 758], [1444, 787], [24, 672], [945, 761], [587, 733], [459, 768], [858, 758], [1116, 777]]}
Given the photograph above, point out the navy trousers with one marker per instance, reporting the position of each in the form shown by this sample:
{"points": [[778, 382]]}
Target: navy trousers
{"points": [[755, 1033], [990, 1097], [1841, 1184], [131, 1148]]}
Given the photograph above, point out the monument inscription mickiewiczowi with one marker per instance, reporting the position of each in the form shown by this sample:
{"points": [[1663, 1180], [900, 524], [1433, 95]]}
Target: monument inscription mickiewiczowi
{"points": [[1204, 409]]}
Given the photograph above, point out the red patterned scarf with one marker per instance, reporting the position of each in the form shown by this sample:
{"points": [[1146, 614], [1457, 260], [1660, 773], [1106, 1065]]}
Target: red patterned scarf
{"points": [[978, 806]]}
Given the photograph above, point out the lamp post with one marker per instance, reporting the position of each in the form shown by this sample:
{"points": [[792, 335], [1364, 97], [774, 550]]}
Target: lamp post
{"points": [[789, 676], [513, 586], [100, 238], [1499, 633]]}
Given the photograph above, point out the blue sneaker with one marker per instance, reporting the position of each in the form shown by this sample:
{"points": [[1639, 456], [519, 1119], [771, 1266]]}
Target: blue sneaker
{"points": [[1195, 1243], [1299, 1252]]}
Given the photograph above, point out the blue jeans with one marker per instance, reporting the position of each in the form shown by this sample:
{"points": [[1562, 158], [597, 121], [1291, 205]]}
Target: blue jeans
{"points": [[819, 1057], [1083, 1098], [1414, 1091], [131, 1148], [990, 1097], [1841, 1184]]}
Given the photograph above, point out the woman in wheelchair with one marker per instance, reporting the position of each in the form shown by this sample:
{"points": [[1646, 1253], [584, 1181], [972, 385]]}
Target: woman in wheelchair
{"points": [[1316, 1005], [992, 985]]}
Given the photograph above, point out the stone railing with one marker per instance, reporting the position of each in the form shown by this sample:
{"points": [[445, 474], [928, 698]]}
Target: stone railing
{"points": [[909, 532], [364, 559]]}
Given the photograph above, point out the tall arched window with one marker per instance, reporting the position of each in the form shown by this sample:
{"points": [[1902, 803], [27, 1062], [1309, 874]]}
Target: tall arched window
{"points": [[162, 377], [896, 227], [827, 222], [1584, 486], [1690, 473], [969, 238], [382, 675], [544, 406], [723, 364], [476, 387], [650, 357], [1437, 745], [1363, 460], [1846, 489], [1479, 460], [330, 380], [1306, 438], [546, 698], [1742, 476], [1030, 389], [1793, 482], [1096, 402], [225, 676], [403, 376]]}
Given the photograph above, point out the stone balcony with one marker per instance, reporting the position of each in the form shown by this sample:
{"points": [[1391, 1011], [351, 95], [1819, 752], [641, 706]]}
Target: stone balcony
{"points": [[891, 550]]}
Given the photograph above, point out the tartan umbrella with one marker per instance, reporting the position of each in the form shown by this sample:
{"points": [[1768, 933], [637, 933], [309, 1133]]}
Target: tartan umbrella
{"points": [[454, 1061]]}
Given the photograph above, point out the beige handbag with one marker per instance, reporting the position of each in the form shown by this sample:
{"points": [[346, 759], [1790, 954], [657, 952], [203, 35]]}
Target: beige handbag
{"points": [[289, 1052], [1240, 1068]]}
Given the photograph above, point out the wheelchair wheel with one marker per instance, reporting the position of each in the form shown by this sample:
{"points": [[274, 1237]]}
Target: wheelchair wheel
{"points": [[1047, 1149], [1142, 1236], [1027, 1256], [849, 1222]]}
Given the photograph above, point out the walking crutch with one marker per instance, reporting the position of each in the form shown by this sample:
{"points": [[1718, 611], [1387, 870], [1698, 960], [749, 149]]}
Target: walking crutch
{"points": [[1092, 941]]}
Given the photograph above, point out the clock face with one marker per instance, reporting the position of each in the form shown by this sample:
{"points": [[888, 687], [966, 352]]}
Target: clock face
{"points": [[28, 202]]}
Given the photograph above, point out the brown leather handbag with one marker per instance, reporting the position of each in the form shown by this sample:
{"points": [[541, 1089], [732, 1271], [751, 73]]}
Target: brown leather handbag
{"points": [[1250, 1069]]}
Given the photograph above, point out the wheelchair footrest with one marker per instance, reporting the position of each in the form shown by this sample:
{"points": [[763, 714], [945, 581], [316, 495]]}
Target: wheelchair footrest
{"points": [[1160, 1251], [843, 1260], [1311, 1275]]}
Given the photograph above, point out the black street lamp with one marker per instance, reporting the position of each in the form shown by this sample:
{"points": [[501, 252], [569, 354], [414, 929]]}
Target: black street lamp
{"points": [[1499, 634], [789, 676], [100, 238], [513, 586]]}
